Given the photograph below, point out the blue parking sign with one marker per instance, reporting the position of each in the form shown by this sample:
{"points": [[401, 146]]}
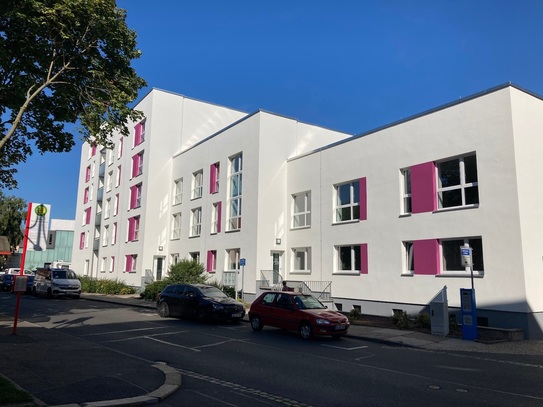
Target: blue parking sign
{"points": [[242, 262]]}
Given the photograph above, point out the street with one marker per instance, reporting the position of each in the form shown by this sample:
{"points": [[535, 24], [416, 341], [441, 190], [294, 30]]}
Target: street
{"points": [[229, 364]]}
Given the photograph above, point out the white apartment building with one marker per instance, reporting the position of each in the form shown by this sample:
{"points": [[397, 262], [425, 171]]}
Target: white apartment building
{"points": [[374, 220]]}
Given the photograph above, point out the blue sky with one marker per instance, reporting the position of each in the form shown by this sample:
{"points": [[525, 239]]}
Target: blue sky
{"points": [[350, 65]]}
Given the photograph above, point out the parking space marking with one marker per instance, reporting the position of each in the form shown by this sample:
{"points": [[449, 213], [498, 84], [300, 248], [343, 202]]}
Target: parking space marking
{"points": [[125, 331], [343, 348], [172, 344]]}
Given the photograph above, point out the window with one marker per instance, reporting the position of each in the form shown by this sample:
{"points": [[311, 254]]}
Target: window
{"points": [[301, 213], [133, 228], [87, 216], [451, 259], [118, 177], [457, 182], [301, 260], [216, 217], [139, 136], [176, 226], [105, 237], [110, 157], [406, 191], [137, 164], [409, 259], [235, 191], [112, 264], [348, 259], [114, 234], [107, 210], [109, 181], [135, 196], [232, 259], [347, 201], [131, 261], [116, 208], [214, 172], [120, 148], [86, 195], [103, 262], [87, 173], [196, 222], [174, 258], [197, 184], [211, 265], [178, 191], [82, 241], [195, 256]]}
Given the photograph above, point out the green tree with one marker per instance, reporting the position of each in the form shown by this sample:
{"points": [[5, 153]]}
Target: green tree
{"points": [[187, 272], [12, 214], [63, 62]]}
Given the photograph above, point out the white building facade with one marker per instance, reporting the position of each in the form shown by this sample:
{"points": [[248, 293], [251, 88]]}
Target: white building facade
{"points": [[375, 220]]}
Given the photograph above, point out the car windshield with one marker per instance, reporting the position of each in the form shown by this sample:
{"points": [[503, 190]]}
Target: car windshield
{"points": [[307, 302], [64, 274], [212, 292]]}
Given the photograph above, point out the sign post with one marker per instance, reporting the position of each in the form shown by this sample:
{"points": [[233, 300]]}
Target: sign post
{"points": [[467, 298], [22, 268], [242, 264]]}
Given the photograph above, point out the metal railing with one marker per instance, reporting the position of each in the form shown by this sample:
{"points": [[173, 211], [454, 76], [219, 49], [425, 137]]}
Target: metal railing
{"points": [[272, 280]]}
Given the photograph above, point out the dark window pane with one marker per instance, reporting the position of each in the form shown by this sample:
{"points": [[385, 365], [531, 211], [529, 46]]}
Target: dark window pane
{"points": [[451, 255], [470, 168], [477, 254], [449, 173], [356, 191], [345, 258], [356, 212], [449, 199], [472, 195], [357, 260], [344, 194]]}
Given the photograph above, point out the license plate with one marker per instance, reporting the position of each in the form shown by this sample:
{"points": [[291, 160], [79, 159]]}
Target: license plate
{"points": [[340, 327], [238, 315]]}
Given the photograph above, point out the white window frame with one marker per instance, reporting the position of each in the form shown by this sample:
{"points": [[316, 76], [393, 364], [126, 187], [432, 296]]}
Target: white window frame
{"points": [[103, 263], [195, 256], [234, 211], [406, 191], [197, 184], [462, 186], [232, 259], [305, 253], [353, 252], [105, 236], [352, 205], [177, 191], [304, 215], [112, 264], [107, 209], [109, 181], [174, 258], [408, 264], [176, 226], [215, 218], [196, 222], [114, 234]]}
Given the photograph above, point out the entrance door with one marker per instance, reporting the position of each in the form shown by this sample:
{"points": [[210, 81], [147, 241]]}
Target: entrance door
{"points": [[159, 265], [277, 266]]}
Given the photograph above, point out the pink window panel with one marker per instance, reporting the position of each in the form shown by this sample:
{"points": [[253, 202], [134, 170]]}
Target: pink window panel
{"points": [[128, 262], [219, 216], [363, 199], [135, 165], [426, 256], [82, 241], [423, 188], [131, 229], [213, 178], [211, 258], [87, 174], [364, 258], [86, 195], [137, 137], [93, 153], [133, 196], [87, 216]]}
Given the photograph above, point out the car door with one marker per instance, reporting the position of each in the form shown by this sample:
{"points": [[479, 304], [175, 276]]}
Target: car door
{"points": [[189, 301], [173, 298], [284, 312]]}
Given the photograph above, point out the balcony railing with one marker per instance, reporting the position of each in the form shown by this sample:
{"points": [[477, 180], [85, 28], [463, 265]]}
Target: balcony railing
{"points": [[272, 280]]}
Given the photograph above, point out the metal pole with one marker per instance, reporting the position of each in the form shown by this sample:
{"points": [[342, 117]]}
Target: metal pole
{"points": [[21, 269]]}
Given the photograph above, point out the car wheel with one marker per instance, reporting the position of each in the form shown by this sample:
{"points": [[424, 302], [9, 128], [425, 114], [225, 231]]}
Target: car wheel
{"points": [[256, 323], [305, 330], [163, 310]]}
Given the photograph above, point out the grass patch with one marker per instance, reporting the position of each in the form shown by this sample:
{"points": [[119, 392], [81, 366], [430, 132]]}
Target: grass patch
{"points": [[10, 395]]}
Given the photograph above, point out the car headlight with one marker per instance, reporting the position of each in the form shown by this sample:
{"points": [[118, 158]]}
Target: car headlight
{"points": [[321, 321], [218, 306]]}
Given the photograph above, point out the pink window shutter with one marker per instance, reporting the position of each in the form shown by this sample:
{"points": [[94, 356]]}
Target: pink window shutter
{"points": [[426, 257], [135, 165], [82, 241], [133, 196], [131, 229], [212, 178], [128, 262], [209, 265], [423, 188], [364, 258], [219, 216], [137, 136], [363, 199]]}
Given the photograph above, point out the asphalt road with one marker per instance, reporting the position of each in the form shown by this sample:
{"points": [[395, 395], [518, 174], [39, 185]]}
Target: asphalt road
{"points": [[230, 365]]}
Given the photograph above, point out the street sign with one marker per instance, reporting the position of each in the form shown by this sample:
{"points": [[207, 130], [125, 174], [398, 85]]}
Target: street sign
{"points": [[242, 262]]}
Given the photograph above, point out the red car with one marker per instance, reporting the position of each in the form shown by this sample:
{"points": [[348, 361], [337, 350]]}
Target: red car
{"points": [[296, 312]]}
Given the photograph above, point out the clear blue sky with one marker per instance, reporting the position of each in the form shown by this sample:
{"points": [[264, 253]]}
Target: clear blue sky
{"points": [[347, 65]]}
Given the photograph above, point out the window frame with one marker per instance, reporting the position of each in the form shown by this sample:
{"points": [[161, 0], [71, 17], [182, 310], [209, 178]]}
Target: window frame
{"points": [[455, 253], [177, 192], [176, 226], [353, 206], [407, 204], [235, 191], [197, 184], [196, 222], [355, 252], [462, 186], [304, 214], [306, 252]]}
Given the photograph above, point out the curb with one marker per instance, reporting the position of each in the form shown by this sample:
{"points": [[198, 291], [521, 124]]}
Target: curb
{"points": [[172, 383]]}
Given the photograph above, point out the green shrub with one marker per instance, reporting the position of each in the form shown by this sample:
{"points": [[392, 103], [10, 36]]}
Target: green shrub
{"points": [[187, 272], [153, 289], [104, 286], [354, 314], [400, 319], [423, 320]]}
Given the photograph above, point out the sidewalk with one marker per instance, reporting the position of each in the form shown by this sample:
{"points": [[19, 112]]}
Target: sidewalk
{"points": [[43, 361]]}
